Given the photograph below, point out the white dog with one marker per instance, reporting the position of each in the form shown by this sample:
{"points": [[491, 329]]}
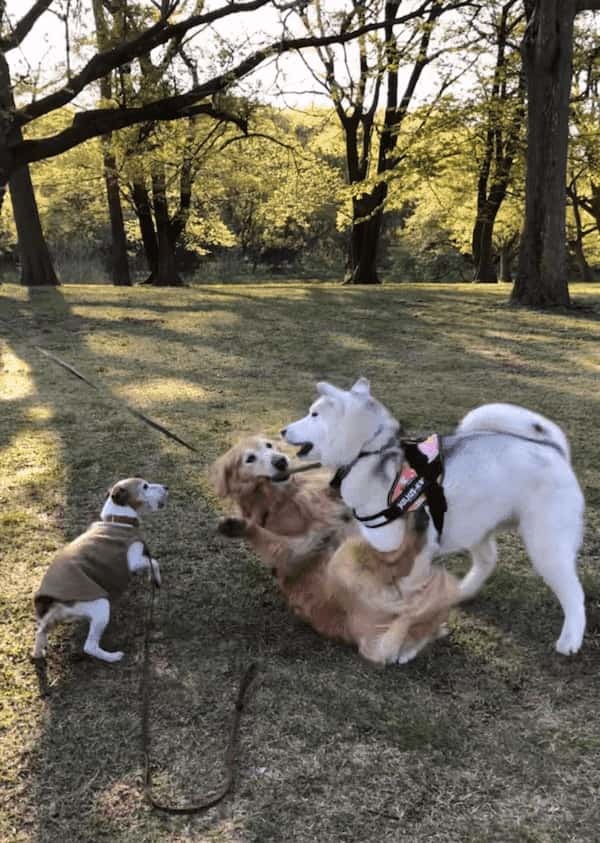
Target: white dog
{"points": [[95, 568], [504, 466]]}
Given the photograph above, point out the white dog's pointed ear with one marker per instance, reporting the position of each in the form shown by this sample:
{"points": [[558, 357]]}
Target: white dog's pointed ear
{"points": [[324, 388], [362, 387]]}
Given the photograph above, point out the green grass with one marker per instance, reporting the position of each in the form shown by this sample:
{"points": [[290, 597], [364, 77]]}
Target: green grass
{"points": [[489, 735]]}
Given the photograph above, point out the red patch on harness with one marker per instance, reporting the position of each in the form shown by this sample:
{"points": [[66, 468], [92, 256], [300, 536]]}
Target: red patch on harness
{"points": [[430, 448]]}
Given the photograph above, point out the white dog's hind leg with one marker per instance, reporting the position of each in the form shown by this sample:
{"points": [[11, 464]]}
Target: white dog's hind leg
{"points": [[98, 612], [553, 556], [484, 556]]}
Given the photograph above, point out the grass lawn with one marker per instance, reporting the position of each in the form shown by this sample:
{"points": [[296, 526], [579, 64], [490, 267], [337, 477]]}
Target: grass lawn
{"points": [[488, 736]]}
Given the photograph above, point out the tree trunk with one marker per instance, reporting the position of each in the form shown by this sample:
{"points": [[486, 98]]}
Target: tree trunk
{"points": [[504, 268], [547, 50], [483, 252], [500, 147], [143, 210], [585, 271], [36, 263], [165, 274], [120, 263], [576, 244], [367, 219]]}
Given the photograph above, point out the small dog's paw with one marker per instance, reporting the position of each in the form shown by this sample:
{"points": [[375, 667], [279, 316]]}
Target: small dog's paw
{"points": [[233, 528], [568, 644], [116, 656], [103, 655]]}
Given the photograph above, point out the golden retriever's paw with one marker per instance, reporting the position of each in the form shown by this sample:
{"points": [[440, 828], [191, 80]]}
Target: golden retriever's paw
{"points": [[233, 528]]}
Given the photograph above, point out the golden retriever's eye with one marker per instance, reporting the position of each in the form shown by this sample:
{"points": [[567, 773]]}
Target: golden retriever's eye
{"points": [[251, 458], [145, 486], [268, 445]]}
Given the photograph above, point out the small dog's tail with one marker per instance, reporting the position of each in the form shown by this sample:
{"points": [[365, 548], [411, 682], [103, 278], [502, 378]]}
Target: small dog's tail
{"points": [[518, 421]]}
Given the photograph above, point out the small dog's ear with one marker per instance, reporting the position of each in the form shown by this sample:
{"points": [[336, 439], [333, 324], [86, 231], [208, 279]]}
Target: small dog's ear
{"points": [[119, 495]]}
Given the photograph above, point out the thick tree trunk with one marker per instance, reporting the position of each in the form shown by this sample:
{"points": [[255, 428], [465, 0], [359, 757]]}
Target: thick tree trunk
{"points": [[367, 210], [367, 213], [36, 263], [483, 251], [165, 274], [547, 50], [504, 267], [119, 262]]}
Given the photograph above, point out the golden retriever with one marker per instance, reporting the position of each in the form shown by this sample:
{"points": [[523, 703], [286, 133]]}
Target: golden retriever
{"points": [[388, 604]]}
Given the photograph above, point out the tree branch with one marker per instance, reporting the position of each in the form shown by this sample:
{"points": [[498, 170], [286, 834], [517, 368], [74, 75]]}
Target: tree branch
{"points": [[102, 63], [24, 26], [89, 124]]}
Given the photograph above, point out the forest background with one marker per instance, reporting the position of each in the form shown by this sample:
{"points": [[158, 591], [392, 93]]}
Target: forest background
{"points": [[285, 168]]}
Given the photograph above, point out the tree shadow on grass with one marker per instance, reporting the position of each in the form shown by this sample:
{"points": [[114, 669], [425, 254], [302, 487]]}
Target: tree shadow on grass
{"points": [[316, 705], [84, 769]]}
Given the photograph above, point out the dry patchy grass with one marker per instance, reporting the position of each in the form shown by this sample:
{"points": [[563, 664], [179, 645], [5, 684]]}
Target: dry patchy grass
{"points": [[487, 736]]}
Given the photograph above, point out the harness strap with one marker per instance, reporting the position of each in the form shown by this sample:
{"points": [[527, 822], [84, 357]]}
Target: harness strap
{"points": [[433, 475], [420, 477]]}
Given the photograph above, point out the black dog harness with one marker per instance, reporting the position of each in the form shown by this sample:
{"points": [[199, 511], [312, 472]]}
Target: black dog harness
{"points": [[418, 481]]}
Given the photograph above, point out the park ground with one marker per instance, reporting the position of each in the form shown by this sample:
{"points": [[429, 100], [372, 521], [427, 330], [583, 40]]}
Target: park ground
{"points": [[488, 736]]}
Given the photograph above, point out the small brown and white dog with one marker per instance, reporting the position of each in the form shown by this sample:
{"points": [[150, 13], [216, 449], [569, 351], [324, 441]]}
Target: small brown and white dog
{"points": [[388, 604], [94, 569]]}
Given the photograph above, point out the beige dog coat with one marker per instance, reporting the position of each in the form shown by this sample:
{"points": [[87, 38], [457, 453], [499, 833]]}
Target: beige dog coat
{"points": [[94, 565]]}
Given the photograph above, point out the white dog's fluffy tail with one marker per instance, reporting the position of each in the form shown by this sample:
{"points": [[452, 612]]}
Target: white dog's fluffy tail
{"points": [[509, 418]]}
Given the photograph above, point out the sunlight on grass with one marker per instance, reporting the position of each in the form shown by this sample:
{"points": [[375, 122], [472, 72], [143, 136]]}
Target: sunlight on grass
{"points": [[15, 377], [39, 414], [453, 745], [161, 390]]}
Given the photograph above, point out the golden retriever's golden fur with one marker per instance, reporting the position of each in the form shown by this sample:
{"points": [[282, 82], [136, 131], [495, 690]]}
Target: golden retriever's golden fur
{"points": [[382, 602]]}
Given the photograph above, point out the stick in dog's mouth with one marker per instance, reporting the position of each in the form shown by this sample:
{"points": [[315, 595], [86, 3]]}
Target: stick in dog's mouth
{"points": [[285, 475], [308, 467]]}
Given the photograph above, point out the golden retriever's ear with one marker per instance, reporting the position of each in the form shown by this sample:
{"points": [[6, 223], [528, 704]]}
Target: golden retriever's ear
{"points": [[220, 473]]}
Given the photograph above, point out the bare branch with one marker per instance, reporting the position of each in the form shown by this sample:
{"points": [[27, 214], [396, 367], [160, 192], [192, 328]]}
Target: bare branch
{"points": [[25, 25], [96, 122], [103, 62]]}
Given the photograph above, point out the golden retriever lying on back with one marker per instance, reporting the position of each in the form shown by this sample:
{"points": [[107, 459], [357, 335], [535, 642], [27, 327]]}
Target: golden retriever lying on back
{"points": [[384, 603]]}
